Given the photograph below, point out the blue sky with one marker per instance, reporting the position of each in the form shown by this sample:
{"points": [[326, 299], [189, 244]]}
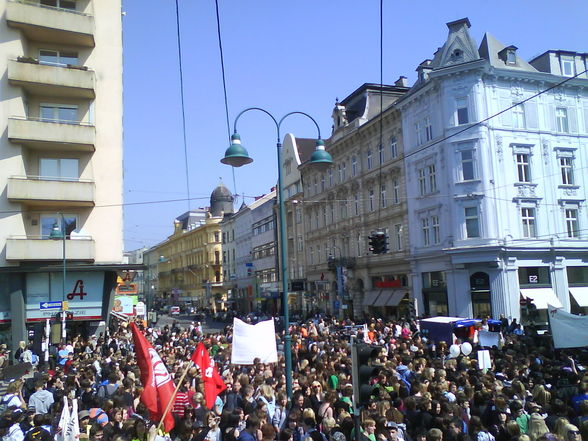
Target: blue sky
{"points": [[297, 55]]}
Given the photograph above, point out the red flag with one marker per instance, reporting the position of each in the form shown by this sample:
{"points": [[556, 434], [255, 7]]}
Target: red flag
{"points": [[213, 383], [157, 382]]}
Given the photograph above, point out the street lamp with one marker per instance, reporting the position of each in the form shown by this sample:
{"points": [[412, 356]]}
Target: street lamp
{"points": [[59, 233], [236, 155]]}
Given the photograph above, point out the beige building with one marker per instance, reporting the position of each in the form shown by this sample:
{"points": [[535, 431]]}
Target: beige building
{"points": [[61, 156], [363, 191], [187, 267]]}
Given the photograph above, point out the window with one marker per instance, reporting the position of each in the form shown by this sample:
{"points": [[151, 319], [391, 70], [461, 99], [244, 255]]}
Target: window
{"points": [[462, 115], [528, 221], [371, 200], [369, 159], [511, 57], [422, 182], [393, 147], [324, 216], [63, 113], [518, 115], [298, 212], [343, 209], [315, 186], [383, 202], [428, 129], [436, 230], [396, 191], [58, 58], [354, 166], [62, 169], [311, 255], [300, 243], [572, 222], [344, 170], [322, 182], [356, 204], [567, 67], [418, 133], [425, 231], [216, 236], [523, 167], [398, 236], [472, 222], [432, 178], [330, 177], [561, 119], [63, 4], [567, 170], [51, 221], [332, 208], [340, 168], [467, 165], [381, 153]]}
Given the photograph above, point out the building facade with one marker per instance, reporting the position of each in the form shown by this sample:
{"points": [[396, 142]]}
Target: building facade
{"points": [[188, 264], [363, 191], [61, 161], [495, 151]]}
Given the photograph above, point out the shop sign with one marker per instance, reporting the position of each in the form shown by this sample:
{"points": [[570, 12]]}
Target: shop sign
{"points": [[83, 292]]}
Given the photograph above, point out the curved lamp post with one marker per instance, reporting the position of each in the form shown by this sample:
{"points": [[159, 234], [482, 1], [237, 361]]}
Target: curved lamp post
{"points": [[237, 156]]}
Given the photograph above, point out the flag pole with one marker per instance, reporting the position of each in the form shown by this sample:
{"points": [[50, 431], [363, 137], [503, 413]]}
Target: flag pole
{"points": [[173, 397]]}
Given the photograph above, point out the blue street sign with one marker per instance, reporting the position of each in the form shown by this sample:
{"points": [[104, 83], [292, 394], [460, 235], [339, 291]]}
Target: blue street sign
{"points": [[50, 305]]}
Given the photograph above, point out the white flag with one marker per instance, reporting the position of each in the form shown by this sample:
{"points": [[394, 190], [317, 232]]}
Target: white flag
{"points": [[72, 430], [63, 422], [568, 330], [254, 341]]}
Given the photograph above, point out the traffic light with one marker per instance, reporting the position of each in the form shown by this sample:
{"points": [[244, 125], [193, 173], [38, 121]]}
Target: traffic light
{"points": [[363, 373], [378, 242]]}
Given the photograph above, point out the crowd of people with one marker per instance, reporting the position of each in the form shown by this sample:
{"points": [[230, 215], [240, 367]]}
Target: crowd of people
{"points": [[531, 393]]}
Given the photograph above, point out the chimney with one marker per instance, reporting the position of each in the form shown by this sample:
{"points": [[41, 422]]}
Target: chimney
{"points": [[401, 81], [424, 69]]}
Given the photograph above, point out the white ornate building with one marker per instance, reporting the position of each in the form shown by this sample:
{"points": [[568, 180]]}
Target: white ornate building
{"points": [[497, 201]]}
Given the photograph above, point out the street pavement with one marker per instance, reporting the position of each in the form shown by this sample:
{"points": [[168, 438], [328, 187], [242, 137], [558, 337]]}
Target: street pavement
{"points": [[208, 325]]}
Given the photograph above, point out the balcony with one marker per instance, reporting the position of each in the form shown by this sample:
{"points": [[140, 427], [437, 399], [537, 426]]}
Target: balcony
{"points": [[36, 248], [48, 192], [49, 80], [50, 25], [52, 135]]}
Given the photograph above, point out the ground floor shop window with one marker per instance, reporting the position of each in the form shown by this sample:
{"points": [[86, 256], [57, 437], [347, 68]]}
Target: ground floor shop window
{"points": [[436, 303], [481, 297]]}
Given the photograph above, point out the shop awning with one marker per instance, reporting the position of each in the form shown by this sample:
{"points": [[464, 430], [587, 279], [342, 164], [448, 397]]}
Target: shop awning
{"points": [[370, 297], [395, 298], [580, 293], [541, 297], [383, 298]]}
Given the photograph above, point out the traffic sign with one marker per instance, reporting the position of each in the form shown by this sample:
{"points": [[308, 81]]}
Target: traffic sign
{"points": [[50, 305]]}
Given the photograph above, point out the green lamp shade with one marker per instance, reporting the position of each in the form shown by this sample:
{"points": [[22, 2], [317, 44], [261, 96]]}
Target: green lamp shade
{"points": [[56, 232], [320, 157], [236, 155]]}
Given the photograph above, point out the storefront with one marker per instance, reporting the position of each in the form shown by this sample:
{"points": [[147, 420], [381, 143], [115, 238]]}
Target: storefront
{"points": [[481, 295], [435, 294], [536, 294], [578, 287]]}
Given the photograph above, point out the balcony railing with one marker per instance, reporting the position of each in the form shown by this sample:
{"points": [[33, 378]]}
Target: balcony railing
{"points": [[52, 80], [39, 248], [49, 134], [51, 191], [51, 24]]}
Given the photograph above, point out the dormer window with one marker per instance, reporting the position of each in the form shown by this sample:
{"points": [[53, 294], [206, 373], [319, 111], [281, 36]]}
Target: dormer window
{"points": [[567, 66], [511, 57]]}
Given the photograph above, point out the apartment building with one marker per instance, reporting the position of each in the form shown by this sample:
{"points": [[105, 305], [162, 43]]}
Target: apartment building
{"points": [[363, 191], [60, 159], [187, 267], [497, 149]]}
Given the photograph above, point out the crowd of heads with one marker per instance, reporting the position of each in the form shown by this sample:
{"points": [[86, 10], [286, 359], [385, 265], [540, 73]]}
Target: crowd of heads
{"points": [[531, 392]]}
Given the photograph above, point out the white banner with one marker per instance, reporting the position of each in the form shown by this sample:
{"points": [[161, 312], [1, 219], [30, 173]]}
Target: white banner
{"points": [[488, 339], [254, 341], [568, 330], [63, 422], [72, 431]]}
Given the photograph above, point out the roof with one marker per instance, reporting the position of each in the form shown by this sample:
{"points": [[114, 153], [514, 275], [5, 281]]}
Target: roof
{"points": [[491, 47], [306, 147]]}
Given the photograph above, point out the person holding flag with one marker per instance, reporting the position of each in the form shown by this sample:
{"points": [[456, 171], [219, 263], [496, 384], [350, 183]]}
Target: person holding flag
{"points": [[159, 389], [213, 383]]}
